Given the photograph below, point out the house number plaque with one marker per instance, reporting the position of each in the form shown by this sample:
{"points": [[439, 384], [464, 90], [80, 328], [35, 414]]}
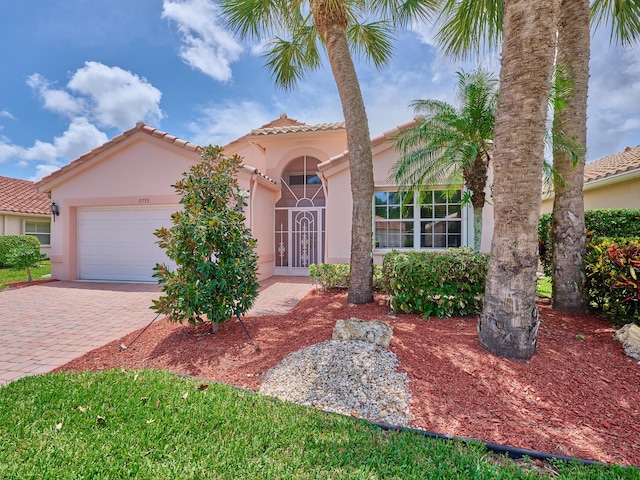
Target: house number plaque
{"points": [[143, 200]]}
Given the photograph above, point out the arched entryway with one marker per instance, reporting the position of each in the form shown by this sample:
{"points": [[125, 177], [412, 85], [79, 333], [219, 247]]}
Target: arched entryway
{"points": [[300, 222]]}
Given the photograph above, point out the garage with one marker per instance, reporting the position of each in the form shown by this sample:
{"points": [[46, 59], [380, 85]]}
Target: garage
{"points": [[118, 244]]}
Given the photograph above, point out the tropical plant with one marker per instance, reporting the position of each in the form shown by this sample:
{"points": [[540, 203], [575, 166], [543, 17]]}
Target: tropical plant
{"points": [[295, 33], [452, 145], [216, 262]]}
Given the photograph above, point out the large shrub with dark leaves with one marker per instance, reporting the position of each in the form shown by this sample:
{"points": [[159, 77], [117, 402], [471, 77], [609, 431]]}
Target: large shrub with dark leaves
{"points": [[612, 266], [216, 263]]}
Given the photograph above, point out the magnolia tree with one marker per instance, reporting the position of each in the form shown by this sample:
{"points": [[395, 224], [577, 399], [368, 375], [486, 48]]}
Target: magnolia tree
{"points": [[214, 253]]}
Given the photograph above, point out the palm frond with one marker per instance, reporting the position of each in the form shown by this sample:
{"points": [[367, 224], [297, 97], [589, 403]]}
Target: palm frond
{"points": [[623, 17], [289, 60], [373, 41], [469, 27]]}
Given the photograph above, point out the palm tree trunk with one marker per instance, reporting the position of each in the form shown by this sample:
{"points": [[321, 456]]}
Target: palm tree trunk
{"points": [[331, 19], [569, 232], [509, 322], [477, 229]]}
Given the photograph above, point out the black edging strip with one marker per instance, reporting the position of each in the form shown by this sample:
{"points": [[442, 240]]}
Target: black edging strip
{"points": [[513, 453]]}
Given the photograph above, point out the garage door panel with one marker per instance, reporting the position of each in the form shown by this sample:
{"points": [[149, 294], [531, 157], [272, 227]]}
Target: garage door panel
{"points": [[118, 243]]}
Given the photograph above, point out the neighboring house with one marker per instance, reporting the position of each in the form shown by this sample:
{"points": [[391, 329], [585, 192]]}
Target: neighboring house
{"points": [[25, 211], [611, 182], [299, 202]]}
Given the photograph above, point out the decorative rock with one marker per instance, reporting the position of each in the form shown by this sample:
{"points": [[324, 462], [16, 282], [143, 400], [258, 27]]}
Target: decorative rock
{"points": [[349, 377], [374, 331], [629, 335]]}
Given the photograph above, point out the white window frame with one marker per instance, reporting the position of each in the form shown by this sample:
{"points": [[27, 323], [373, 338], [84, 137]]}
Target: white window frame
{"points": [[36, 233], [416, 219]]}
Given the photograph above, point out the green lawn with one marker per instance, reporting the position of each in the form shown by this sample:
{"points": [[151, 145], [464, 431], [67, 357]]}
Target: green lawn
{"points": [[544, 287], [9, 276], [150, 424]]}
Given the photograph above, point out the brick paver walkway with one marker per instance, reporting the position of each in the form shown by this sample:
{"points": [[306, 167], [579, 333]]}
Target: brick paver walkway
{"points": [[45, 326]]}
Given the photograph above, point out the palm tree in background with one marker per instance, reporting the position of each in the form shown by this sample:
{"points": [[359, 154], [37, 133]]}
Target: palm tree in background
{"points": [[469, 26], [296, 32], [451, 145]]}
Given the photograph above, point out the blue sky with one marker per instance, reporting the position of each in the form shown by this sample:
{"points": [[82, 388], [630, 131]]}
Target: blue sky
{"points": [[78, 72]]}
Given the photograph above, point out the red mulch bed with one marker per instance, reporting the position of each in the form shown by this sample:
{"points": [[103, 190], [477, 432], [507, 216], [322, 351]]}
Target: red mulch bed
{"points": [[15, 285], [578, 396]]}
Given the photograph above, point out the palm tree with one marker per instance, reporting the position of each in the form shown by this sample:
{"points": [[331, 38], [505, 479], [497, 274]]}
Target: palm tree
{"points": [[568, 281], [468, 25], [296, 31], [451, 146], [569, 232], [509, 321]]}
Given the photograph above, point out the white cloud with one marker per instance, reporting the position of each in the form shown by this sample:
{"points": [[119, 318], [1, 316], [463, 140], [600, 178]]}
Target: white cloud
{"points": [[116, 97], [6, 114], [208, 46], [8, 150], [43, 171], [79, 138], [55, 100], [614, 86], [222, 123], [108, 96]]}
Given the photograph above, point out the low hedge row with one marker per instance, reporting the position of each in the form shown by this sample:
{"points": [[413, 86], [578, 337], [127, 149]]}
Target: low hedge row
{"points": [[442, 284], [10, 242], [334, 276], [612, 268], [447, 283]]}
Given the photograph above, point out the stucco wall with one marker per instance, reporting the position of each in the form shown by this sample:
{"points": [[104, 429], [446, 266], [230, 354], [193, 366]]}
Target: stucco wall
{"points": [[607, 194], [11, 224], [339, 207]]}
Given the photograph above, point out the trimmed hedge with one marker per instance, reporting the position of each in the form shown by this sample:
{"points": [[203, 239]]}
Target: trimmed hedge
{"points": [[9, 242], [599, 223], [335, 276], [436, 283], [612, 267]]}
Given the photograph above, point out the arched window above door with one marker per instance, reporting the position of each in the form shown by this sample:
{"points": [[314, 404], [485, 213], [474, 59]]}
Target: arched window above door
{"points": [[301, 185]]}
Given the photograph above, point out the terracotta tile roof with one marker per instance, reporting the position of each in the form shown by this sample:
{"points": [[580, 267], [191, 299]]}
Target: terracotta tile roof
{"points": [[375, 141], [21, 196], [625, 161], [140, 127], [284, 124]]}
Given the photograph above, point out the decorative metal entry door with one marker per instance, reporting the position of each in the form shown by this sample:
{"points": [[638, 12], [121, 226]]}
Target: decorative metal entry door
{"points": [[305, 241], [300, 242]]}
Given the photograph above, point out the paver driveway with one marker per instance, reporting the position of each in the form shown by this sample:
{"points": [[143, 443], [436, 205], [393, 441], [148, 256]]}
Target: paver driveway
{"points": [[45, 326]]}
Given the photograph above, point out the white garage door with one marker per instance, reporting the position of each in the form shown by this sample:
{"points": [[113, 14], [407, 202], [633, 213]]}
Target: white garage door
{"points": [[117, 243]]}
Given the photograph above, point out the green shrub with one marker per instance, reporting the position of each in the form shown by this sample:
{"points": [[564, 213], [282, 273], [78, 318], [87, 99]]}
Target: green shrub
{"points": [[599, 223], [24, 257], [612, 266], [216, 262], [333, 276], [443, 283], [10, 242]]}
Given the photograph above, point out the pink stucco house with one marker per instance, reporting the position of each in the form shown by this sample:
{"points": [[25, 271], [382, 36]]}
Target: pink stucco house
{"points": [[299, 202]]}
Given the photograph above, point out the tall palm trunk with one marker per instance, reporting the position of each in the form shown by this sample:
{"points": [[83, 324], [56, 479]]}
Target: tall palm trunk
{"points": [[476, 181], [331, 20], [509, 322], [568, 281]]}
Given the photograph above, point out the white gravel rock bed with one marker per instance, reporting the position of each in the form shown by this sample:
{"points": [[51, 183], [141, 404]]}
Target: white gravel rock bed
{"points": [[350, 377]]}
